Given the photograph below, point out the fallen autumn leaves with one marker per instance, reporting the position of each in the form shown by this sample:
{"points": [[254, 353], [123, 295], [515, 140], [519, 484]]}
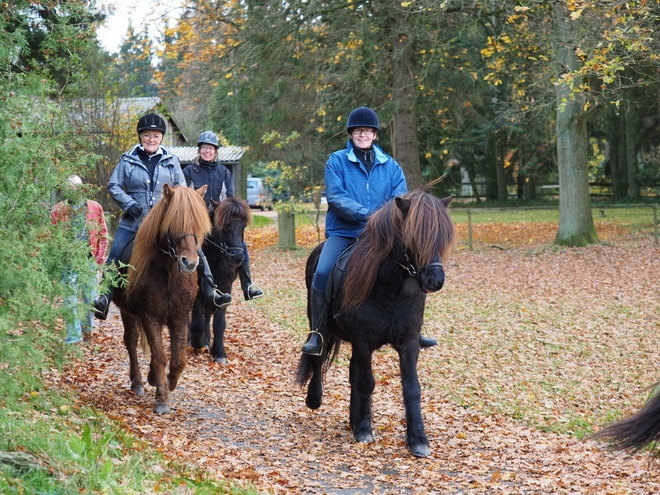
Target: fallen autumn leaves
{"points": [[550, 336]]}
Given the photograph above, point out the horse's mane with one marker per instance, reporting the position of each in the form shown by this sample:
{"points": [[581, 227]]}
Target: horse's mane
{"points": [[423, 226], [180, 211], [231, 208]]}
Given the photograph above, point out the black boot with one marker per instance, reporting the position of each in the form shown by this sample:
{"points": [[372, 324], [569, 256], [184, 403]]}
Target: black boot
{"points": [[102, 305], [214, 298], [250, 290], [319, 307], [425, 342]]}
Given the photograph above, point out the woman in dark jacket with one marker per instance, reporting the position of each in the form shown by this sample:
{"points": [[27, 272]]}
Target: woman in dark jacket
{"points": [[358, 180], [136, 185], [206, 169]]}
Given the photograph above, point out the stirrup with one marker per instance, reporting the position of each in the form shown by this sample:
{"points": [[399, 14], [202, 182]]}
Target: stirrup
{"points": [[310, 351], [223, 297], [257, 292]]}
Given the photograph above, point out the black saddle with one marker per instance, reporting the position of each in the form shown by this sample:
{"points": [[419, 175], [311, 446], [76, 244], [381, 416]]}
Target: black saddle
{"points": [[338, 272]]}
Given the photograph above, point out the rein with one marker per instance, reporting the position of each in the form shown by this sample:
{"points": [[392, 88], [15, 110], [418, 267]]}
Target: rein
{"points": [[412, 270]]}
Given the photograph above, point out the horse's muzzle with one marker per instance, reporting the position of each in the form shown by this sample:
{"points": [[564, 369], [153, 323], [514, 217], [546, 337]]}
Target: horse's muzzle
{"points": [[432, 278], [186, 265]]}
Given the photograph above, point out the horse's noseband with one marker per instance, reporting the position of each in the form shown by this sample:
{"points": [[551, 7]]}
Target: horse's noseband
{"points": [[173, 243], [412, 270]]}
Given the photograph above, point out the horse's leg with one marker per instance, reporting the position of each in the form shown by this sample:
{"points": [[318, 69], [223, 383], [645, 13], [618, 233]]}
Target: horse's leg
{"points": [[219, 326], [199, 337], [156, 376], [412, 395], [131, 342], [362, 386], [178, 357]]}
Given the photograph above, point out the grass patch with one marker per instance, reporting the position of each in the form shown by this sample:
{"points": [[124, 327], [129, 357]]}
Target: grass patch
{"points": [[51, 443]]}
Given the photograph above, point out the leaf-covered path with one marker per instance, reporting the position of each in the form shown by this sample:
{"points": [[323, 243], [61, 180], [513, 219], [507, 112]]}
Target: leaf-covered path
{"points": [[248, 421]]}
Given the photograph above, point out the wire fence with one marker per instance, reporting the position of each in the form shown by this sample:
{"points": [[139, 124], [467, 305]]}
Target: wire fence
{"points": [[472, 211]]}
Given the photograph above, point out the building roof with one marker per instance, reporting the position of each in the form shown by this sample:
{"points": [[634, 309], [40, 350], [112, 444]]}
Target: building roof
{"points": [[225, 153]]}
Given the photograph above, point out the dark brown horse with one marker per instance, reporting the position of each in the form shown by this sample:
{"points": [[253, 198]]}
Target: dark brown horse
{"points": [[395, 263], [224, 251], [162, 285]]}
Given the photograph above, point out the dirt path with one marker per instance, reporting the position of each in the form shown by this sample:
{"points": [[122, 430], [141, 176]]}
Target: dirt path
{"points": [[248, 421]]}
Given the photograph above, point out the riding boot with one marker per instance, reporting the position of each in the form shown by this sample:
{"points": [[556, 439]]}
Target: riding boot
{"points": [[319, 309], [102, 304], [425, 342], [214, 298], [250, 290]]}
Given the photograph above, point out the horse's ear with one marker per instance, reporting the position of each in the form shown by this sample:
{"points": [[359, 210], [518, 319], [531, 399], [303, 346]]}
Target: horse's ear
{"points": [[202, 190], [167, 191], [445, 201], [403, 204]]}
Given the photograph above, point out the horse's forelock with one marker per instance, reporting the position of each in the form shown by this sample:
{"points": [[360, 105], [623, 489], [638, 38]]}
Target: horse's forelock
{"points": [[182, 212], [186, 214], [231, 208], [429, 230]]}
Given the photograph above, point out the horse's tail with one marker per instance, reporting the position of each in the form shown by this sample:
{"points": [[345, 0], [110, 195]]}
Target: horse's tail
{"points": [[306, 365], [636, 432], [142, 338]]}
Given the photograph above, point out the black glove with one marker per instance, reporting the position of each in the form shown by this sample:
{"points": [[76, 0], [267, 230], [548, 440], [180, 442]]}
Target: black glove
{"points": [[134, 211]]}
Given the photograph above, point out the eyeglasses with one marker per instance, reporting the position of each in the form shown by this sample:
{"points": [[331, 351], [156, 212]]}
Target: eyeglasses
{"points": [[364, 132], [207, 148], [150, 137]]}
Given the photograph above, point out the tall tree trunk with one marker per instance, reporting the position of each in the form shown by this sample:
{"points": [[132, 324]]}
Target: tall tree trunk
{"points": [[576, 223], [500, 173], [632, 121], [405, 143], [491, 166], [616, 154]]}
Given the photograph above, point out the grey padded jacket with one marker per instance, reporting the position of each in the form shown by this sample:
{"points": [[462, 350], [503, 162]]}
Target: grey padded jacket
{"points": [[130, 183]]}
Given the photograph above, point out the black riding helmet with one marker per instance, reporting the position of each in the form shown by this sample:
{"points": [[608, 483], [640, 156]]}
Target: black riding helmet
{"points": [[362, 117], [151, 122]]}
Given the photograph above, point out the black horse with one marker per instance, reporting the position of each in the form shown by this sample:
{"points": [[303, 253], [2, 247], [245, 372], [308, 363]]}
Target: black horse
{"points": [[393, 265], [638, 431], [224, 251]]}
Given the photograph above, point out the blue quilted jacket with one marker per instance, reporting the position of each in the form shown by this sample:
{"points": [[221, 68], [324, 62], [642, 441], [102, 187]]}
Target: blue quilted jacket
{"points": [[353, 194]]}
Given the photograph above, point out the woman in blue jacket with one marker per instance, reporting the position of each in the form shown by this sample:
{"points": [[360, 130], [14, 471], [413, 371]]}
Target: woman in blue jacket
{"points": [[136, 185], [358, 180]]}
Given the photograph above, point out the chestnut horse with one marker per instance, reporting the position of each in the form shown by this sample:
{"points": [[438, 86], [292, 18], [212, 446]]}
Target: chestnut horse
{"points": [[162, 285], [394, 264]]}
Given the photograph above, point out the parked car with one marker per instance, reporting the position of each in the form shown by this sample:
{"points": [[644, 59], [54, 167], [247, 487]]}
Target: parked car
{"points": [[258, 194]]}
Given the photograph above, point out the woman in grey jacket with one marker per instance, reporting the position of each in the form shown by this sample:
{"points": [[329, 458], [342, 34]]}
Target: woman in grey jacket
{"points": [[136, 185]]}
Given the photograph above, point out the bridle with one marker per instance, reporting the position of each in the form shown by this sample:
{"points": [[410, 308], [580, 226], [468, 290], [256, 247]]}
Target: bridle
{"points": [[223, 248], [170, 250], [412, 270]]}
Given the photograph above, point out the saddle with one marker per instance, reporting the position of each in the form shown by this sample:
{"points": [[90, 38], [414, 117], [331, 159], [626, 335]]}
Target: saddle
{"points": [[338, 272]]}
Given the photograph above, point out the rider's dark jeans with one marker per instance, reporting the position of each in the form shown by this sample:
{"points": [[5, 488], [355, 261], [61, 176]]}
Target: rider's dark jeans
{"points": [[333, 247], [121, 240]]}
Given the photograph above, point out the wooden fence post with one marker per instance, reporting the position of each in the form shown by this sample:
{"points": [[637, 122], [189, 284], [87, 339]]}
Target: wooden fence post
{"points": [[655, 223], [286, 229], [469, 213]]}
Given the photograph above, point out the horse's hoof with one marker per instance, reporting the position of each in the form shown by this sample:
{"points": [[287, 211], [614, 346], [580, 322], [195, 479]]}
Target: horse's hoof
{"points": [[364, 437], [161, 409], [221, 360], [138, 389], [313, 402], [420, 450]]}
